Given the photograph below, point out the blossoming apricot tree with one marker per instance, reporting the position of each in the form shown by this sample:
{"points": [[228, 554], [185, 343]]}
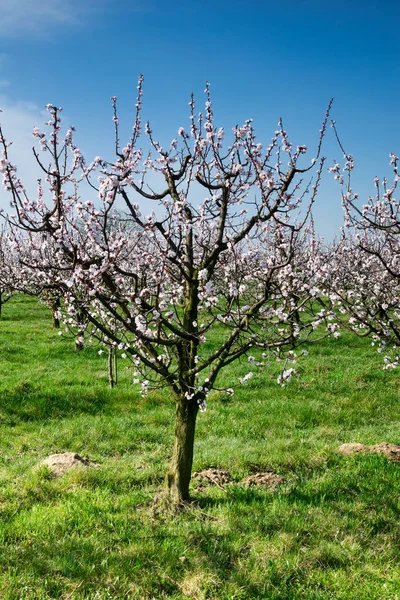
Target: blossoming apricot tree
{"points": [[216, 256], [7, 268], [364, 281]]}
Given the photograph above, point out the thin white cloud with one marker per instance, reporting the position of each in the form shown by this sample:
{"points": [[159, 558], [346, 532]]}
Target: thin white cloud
{"points": [[36, 17], [17, 121]]}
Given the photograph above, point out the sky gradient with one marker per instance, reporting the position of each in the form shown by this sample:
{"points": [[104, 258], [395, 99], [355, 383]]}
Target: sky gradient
{"points": [[263, 60]]}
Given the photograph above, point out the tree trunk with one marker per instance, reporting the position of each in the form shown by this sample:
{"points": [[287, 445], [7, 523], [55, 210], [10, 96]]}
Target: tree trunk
{"points": [[180, 470], [80, 342], [54, 309], [115, 366], [110, 367]]}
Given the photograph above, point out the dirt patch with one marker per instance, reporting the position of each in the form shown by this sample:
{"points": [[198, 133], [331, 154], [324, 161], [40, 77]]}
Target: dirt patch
{"points": [[268, 479], [391, 451], [59, 464], [215, 476], [350, 449]]}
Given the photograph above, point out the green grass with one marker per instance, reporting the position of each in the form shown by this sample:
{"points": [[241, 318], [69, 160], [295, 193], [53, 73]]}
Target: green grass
{"points": [[332, 531]]}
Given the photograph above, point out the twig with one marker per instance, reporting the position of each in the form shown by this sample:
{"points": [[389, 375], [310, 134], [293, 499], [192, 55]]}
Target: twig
{"points": [[179, 585], [68, 596], [18, 508], [221, 487]]}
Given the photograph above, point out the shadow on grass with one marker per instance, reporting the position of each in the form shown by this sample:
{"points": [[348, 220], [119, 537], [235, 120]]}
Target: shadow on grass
{"points": [[29, 401], [154, 562], [25, 403], [162, 553]]}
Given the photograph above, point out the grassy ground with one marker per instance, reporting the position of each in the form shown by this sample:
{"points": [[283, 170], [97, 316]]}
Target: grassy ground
{"points": [[332, 531]]}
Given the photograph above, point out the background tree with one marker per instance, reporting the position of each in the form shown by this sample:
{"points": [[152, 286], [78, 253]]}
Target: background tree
{"points": [[8, 271], [16, 273], [365, 264], [363, 296]]}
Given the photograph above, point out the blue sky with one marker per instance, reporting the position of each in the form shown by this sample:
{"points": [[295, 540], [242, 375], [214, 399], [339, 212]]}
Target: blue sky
{"points": [[263, 59]]}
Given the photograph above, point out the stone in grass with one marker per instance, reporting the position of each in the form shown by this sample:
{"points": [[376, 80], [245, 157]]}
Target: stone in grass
{"points": [[215, 476], [59, 464], [268, 479], [391, 451]]}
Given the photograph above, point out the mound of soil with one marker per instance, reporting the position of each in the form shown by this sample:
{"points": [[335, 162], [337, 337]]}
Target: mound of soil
{"points": [[215, 476], [350, 449], [269, 479], [59, 464], [391, 451]]}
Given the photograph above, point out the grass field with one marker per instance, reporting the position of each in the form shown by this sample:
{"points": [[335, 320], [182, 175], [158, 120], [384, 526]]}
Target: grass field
{"points": [[332, 531]]}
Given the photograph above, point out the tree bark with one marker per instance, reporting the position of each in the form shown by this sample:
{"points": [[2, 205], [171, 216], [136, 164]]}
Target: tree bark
{"points": [[111, 364], [79, 343], [115, 366], [180, 470], [54, 309]]}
